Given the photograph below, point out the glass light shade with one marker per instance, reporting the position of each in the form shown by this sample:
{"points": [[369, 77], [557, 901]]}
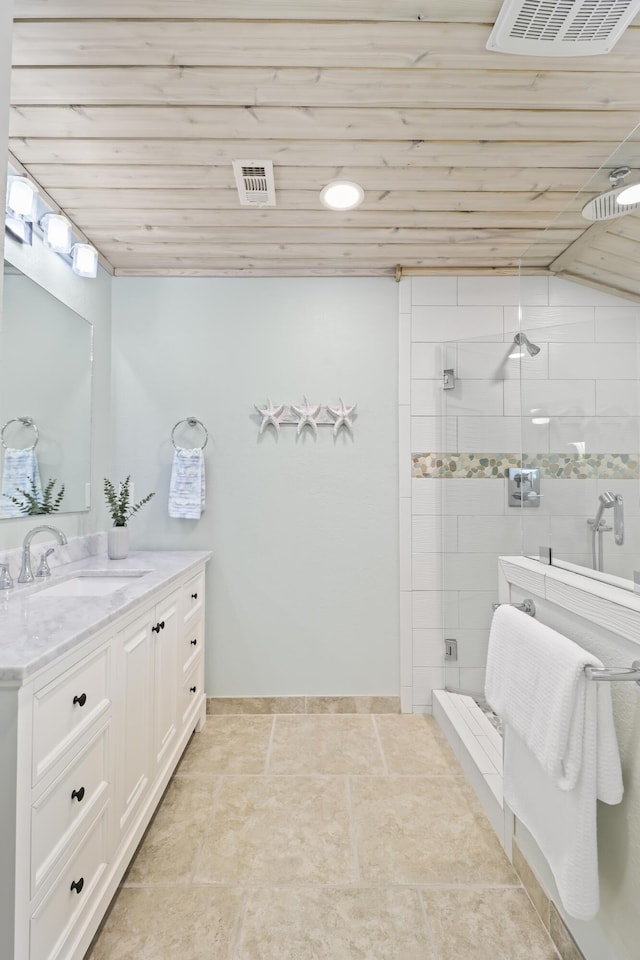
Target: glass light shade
{"points": [[84, 260], [57, 232], [21, 198], [629, 195], [342, 195]]}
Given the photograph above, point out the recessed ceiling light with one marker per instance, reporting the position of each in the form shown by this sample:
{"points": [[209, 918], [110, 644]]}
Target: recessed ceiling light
{"points": [[342, 195]]}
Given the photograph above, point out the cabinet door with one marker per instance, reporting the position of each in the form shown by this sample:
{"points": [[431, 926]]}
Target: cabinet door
{"points": [[136, 712], [166, 674]]}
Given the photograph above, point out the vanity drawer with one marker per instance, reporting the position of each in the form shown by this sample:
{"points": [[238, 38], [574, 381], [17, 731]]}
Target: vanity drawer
{"points": [[192, 690], [67, 706], [60, 909], [193, 596], [58, 815], [192, 643]]}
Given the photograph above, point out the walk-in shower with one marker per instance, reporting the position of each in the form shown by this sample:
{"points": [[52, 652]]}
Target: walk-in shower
{"points": [[599, 526]]}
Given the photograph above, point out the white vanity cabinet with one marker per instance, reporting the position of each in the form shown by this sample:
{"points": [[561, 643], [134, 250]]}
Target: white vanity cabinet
{"points": [[87, 746]]}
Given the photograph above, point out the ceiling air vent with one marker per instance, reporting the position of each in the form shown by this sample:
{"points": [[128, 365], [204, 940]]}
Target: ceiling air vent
{"points": [[561, 28], [254, 180]]}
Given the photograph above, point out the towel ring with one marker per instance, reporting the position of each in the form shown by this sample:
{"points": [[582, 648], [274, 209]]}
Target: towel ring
{"points": [[27, 422], [192, 422]]}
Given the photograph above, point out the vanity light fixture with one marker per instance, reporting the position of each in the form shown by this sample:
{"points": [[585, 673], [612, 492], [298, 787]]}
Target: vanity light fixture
{"points": [[84, 260], [22, 198], [342, 195], [56, 232]]}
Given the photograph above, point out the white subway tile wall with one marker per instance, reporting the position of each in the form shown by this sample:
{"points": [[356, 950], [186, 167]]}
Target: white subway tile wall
{"points": [[584, 379]]}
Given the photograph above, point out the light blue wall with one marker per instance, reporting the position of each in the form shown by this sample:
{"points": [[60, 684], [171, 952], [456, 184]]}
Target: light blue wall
{"points": [[303, 583]]}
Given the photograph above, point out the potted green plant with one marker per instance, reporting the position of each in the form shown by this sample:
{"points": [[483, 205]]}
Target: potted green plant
{"points": [[121, 510]]}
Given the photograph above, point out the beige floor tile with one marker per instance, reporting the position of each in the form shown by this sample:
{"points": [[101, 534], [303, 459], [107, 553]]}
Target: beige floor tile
{"points": [[486, 925], [279, 830], [425, 830], [168, 850], [164, 923], [228, 744], [415, 744], [334, 924], [325, 744]]}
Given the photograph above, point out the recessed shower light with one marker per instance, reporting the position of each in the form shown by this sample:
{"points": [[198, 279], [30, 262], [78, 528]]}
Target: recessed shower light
{"points": [[342, 195], [630, 194]]}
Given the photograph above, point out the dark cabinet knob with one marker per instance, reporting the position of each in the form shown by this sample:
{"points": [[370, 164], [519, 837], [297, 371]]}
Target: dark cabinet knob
{"points": [[77, 885], [161, 624], [81, 700], [194, 643], [78, 795], [156, 629], [194, 596], [192, 689]]}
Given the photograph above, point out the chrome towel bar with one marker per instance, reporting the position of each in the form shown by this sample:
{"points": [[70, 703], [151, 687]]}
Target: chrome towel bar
{"points": [[615, 673], [527, 606]]}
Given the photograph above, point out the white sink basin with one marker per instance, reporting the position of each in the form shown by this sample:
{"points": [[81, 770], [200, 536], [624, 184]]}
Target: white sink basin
{"points": [[91, 584]]}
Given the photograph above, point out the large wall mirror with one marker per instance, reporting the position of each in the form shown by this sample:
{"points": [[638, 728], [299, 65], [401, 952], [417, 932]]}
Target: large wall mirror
{"points": [[581, 416], [45, 402]]}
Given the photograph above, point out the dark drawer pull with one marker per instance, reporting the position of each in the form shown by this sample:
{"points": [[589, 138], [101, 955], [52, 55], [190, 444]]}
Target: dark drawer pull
{"points": [[194, 596], [81, 700], [77, 885], [78, 795], [194, 643], [192, 689], [158, 627]]}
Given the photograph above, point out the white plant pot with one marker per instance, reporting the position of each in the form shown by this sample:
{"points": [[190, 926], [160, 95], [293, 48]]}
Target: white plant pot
{"points": [[118, 543]]}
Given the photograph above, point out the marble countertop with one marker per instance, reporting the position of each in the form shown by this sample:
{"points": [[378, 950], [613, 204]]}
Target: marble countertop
{"points": [[36, 629]]}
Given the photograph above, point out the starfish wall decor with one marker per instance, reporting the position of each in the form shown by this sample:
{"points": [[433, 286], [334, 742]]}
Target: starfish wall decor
{"points": [[306, 414]]}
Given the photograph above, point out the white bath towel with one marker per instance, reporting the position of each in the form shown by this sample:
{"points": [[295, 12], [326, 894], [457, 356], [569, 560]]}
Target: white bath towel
{"points": [[19, 472], [187, 487], [560, 748]]}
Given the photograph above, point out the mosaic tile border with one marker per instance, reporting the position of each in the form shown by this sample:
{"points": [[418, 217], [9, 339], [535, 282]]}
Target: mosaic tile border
{"points": [[555, 466]]}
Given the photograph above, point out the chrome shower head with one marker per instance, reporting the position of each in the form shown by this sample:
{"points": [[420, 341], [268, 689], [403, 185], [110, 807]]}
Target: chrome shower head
{"points": [[522, 340]]}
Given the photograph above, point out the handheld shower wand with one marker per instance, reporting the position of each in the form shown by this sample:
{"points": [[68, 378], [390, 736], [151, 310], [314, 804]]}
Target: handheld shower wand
{"points": [[607, 500]]}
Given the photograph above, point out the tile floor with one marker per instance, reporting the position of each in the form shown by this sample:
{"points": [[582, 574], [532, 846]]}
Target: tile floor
{"points": [[326, 837]]}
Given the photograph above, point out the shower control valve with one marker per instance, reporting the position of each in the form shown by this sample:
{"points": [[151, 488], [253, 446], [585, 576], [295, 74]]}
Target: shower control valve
{"points": [[523, 487]]}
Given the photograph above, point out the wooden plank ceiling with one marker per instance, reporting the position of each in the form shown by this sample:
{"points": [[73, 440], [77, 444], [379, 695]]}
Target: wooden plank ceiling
{"points": [[130, 112]]}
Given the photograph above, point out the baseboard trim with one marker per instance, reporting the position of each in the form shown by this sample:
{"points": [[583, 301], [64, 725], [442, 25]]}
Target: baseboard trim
{"points": [[270, 705]]}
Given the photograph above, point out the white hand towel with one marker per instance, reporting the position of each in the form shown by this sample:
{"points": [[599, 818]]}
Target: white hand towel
{"points": [[19, 472], [560, 748], [187, 487]]}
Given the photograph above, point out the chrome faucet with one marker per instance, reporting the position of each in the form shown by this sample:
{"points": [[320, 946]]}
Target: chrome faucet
{"points": [[26, 574]]}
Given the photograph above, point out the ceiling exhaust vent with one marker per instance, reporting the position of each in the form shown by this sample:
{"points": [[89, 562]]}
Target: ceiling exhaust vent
{"points": [[254, 180], [561, 28]]}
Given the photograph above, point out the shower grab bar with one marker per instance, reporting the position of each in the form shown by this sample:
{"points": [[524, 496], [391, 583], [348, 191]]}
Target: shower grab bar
{"points": [[527, 606], [615, 673]]}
